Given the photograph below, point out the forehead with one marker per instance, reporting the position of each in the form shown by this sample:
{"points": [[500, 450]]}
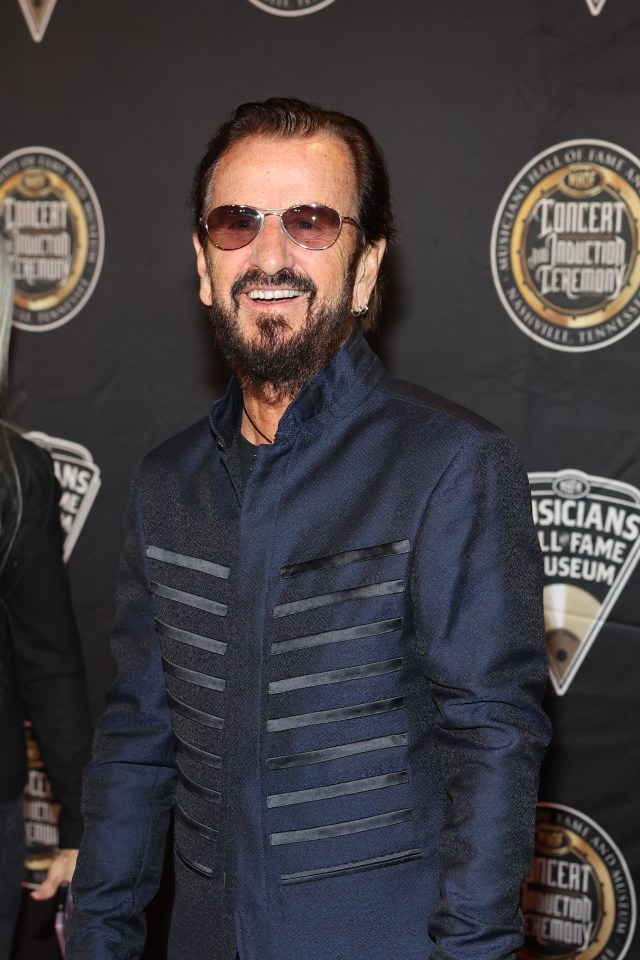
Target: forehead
{"points": [[271, 173]]}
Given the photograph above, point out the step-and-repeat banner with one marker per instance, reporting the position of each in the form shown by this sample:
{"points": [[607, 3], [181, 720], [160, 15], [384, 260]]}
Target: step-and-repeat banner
{"points": [[512, 135]]}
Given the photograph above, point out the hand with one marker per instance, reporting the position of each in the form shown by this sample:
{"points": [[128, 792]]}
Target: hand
{"points": [[60, 871]]}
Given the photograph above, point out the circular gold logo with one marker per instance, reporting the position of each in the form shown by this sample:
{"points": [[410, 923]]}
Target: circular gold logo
{"points": [[578, 900], [51, 219], [564, 249], [291, 8]]}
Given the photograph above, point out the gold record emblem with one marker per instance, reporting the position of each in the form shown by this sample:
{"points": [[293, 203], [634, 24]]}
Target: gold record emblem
{"points": [[565, 246], [578, 900], [51, 219], [574, 248]]}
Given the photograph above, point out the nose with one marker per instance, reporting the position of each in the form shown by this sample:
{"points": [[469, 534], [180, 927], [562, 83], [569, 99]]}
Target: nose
{"points": [[272, 250]]}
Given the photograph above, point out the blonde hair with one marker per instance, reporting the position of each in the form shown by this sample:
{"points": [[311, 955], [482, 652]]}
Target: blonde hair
{"points": [[6, 314], [10, 487]]}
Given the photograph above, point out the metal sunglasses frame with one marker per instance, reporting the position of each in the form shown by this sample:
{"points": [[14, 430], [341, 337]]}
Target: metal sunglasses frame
{"points": [[277, 212]]}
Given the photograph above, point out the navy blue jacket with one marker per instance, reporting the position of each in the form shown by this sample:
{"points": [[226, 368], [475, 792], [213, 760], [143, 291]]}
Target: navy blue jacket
{"points": [[333, 680]]}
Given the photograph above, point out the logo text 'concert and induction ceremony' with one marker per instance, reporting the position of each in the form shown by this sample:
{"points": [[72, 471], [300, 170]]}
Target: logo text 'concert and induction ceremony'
{"points": [[578, 899], [52, 222], [589, 533], [291, 8], [564, 249]]}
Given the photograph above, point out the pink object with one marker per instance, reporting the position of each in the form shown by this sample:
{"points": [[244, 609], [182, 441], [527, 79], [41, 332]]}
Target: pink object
{"points": [[65, 906]]}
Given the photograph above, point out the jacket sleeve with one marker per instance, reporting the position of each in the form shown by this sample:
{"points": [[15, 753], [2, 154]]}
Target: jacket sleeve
{"points": [[477, 590], [45, 643], [129, 786]]}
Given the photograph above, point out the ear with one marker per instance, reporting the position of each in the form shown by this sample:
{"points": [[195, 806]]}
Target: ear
{"points": [[203, 271], [366, 274]]}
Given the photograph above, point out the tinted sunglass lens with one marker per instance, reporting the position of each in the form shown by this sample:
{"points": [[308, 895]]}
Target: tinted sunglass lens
{"points": [[232, 227], [311, 225]]}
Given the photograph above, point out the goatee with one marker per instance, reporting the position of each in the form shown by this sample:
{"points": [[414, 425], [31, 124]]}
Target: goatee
{"points": [[276, 365]]}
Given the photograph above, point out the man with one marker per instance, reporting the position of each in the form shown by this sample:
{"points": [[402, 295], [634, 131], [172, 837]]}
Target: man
{"points": [[330, 627]]}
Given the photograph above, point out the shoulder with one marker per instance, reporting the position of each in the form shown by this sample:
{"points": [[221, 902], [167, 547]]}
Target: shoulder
{"points": [[27, 461], [430, 408], [29, 494], [417, 417], [434, 433]]}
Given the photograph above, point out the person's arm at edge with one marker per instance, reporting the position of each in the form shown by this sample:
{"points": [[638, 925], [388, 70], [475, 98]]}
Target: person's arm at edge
{"points": [[47, 653]]}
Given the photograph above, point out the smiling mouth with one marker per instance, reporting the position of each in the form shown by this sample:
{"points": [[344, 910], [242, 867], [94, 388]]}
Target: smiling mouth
{"points": [[274, 294]]}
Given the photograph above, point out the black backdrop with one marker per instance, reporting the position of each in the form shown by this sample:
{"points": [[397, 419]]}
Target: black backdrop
{"points": [[107, 113]]}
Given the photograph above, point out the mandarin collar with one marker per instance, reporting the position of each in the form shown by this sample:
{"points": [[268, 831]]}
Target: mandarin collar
{"points": [[341, 385]]}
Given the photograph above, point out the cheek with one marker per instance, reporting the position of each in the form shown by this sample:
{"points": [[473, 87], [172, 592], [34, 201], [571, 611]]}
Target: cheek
{"points": [[329, 271], [225, 268]]}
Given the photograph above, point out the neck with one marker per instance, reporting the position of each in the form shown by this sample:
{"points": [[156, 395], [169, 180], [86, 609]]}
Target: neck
{"points": [[261, 417], [265, 405]]}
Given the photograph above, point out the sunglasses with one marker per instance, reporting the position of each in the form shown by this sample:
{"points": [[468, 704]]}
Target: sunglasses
{"points": [[310, 225]]}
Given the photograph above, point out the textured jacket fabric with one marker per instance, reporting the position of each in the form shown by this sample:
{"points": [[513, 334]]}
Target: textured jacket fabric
{"points": [[41, 668], [333, 679]]}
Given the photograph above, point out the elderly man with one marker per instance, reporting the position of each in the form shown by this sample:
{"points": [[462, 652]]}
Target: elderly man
{"points": [[329, 633]]}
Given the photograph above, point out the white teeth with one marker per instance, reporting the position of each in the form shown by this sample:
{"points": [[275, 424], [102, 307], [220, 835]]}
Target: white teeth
{"points": [[273, 294]]}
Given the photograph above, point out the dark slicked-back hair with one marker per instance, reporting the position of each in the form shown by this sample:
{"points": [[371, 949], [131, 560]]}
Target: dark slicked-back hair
{"points": [[285, 118]]}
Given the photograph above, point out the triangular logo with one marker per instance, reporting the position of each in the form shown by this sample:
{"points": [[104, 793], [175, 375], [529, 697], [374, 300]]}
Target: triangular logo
{"points": [[589, 532], [596, 6], [37, 13], [79, 479]]}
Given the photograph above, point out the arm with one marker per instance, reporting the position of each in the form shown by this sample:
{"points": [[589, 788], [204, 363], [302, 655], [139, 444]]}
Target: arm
{"points": [[129, 786], [477, 587], [45, 645]]}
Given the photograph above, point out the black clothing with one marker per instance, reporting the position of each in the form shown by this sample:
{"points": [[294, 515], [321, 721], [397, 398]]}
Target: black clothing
{"points": [[12, 853], [247, 453], [41, 669]]}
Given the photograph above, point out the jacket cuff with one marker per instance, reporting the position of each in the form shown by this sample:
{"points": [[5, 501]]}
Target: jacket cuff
{"points": [[71, 829]]}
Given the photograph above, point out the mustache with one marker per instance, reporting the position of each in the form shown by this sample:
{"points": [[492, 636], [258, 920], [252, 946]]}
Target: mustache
{"points": [[283, 278]]}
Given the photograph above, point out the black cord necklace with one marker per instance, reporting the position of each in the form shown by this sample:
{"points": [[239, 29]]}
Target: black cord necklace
{"points": [[255, 426]]}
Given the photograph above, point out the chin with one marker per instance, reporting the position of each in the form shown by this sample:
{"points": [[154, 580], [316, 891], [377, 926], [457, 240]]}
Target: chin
{"points": [[271, 329]]}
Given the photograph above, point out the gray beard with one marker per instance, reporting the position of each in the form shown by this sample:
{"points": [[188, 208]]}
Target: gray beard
{"points": [[276, 366]]}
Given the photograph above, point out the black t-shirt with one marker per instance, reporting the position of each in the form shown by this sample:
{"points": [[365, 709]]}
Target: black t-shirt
{"points": [[247, 453]]}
